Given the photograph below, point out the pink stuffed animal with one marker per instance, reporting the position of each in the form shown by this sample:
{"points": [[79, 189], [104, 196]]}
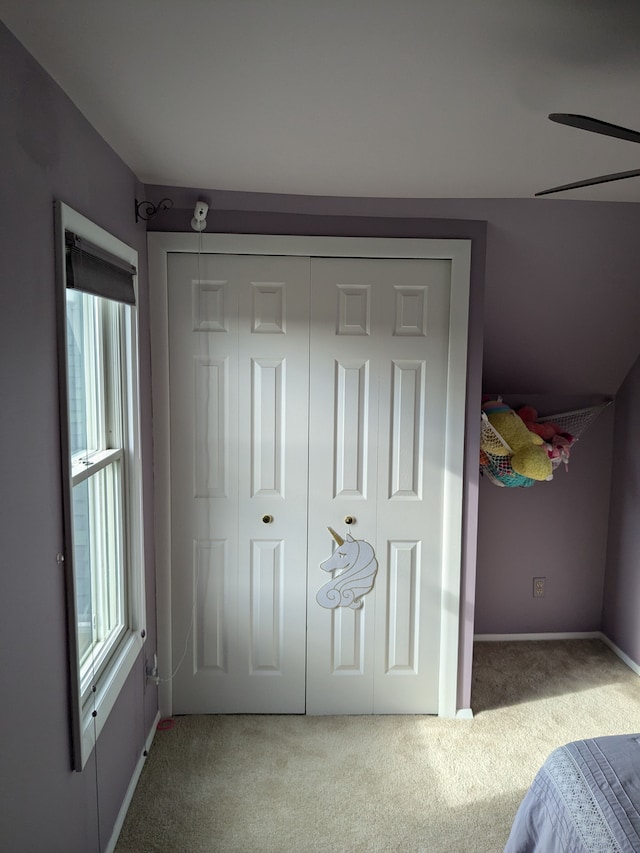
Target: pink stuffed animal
{"points": [[560, 447], [558, 441]]}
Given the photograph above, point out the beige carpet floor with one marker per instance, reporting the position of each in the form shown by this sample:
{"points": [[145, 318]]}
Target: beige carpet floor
{"points": [[279, 784]]}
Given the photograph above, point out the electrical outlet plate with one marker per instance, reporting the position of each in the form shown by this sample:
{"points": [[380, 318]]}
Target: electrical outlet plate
{"points": [[538, 587]]}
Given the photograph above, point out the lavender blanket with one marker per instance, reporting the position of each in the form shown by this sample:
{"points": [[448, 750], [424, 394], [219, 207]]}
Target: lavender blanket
{"points": [[584, 799]]}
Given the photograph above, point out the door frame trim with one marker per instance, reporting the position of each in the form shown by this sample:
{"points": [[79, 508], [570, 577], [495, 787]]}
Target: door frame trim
{"points": [[458, 251]]}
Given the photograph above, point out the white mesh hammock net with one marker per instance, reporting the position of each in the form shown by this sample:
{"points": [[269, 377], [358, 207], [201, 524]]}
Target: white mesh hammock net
{"points": [[495, 453]]}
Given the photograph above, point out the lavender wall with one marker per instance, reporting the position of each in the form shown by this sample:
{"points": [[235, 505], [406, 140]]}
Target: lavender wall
{"points": [[285, 222], [561, 307], [49, 151], [556, 530], [622, 581], [561, 296]]}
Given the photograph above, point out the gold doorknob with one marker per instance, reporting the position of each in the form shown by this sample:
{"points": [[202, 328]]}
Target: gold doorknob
{"points": [[349, 519], [267, 519]]}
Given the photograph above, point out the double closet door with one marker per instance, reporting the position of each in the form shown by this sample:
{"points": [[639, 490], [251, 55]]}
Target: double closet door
{"points": [[308, 401]]}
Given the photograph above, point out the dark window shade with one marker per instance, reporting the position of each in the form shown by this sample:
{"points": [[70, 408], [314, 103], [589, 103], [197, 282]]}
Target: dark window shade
{"points": [[93, 270]]}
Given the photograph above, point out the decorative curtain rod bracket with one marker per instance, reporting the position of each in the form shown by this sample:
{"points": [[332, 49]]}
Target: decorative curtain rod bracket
{"points": [[146, 210]]}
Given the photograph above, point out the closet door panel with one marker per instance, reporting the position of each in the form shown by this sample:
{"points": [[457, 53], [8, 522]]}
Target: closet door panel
{"points": [[239, 342], [378, 367]]}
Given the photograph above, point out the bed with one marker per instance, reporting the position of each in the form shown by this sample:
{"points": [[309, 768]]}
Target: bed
{"points": [[584, 799]]}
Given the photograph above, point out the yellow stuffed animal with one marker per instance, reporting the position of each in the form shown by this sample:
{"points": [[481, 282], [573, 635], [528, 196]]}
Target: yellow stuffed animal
{"points": [[530, 457]]}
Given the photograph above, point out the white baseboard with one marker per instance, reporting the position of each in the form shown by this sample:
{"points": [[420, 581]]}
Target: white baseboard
{"points": [[464, 714], [563, 635], [623, 657], [124, 808], [567, 635]]}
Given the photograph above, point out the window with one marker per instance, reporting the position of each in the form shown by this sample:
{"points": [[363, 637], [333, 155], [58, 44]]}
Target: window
{"points": [[101, 468]]}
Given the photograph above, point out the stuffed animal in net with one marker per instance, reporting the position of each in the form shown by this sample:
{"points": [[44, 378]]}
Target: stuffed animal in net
{"points": [[530, 457], [559, 442]]}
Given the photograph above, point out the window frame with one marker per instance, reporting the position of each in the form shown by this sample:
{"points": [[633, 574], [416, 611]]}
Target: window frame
{"points": [[94, 695]]}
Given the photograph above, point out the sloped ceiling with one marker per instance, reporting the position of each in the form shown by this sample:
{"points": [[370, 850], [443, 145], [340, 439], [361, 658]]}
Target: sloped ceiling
{"points": [[439, 99]]}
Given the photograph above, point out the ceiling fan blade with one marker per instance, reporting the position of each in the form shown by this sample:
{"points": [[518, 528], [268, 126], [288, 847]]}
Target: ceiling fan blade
{"points": [[596, 126], [602, 179]]}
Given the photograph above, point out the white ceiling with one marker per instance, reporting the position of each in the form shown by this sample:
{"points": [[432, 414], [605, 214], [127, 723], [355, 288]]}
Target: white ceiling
{"points": [[389, 98]]}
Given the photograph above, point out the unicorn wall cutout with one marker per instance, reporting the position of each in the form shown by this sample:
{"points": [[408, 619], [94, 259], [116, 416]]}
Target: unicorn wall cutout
{"points": [[356, 561]]}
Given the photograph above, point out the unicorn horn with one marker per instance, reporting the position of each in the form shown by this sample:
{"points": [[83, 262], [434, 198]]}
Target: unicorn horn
{"points": [[338, 539]]}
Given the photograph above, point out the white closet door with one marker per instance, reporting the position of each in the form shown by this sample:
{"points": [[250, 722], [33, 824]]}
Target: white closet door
{"points": [[378, 379], [238, 354], [285, 419]]}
